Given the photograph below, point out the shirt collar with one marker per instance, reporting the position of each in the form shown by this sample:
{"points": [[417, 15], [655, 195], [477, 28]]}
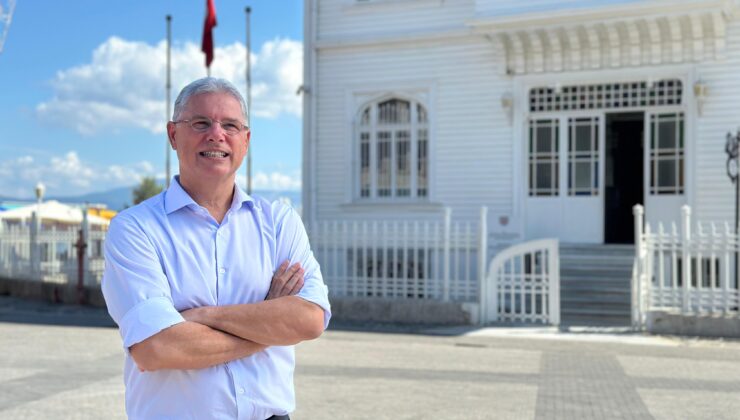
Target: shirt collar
{"points": [[176, 197]]}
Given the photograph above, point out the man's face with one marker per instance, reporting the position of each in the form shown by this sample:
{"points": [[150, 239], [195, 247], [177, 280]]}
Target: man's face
{"points": [[212, 155]]}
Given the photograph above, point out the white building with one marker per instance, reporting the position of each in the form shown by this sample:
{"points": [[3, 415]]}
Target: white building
{"points": [[558, 116]]}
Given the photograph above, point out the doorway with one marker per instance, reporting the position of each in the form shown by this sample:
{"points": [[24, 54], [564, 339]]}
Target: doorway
{"points": [[623, 180]]}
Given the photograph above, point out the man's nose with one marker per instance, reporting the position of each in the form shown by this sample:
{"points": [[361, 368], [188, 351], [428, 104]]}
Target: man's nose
{"points": [[216, 132]]}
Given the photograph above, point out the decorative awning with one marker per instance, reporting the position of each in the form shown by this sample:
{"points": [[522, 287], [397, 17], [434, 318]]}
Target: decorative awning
{"points": [[611, 37]]}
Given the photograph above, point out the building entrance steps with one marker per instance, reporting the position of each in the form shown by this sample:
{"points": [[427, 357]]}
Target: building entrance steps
{"points": [[595, 284]]}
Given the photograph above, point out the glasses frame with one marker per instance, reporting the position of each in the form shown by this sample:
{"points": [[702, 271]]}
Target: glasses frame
{"points": [[190, 121]]}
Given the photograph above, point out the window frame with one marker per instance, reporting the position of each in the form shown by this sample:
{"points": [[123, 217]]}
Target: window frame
{"points": [[370, 161]]}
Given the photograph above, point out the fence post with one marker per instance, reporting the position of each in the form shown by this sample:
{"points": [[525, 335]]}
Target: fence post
{"points": [[446, 255], [482, 259], [637, 276], [35, 248], [554, 274], [686, 256]]}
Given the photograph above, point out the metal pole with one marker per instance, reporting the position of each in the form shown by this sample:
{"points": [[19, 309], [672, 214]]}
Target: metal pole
{"points": [[248, 11], [168, 90]]}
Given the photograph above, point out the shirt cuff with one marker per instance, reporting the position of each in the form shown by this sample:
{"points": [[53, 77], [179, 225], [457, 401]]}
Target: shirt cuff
{"points": [[146, 319], [318, 297]]}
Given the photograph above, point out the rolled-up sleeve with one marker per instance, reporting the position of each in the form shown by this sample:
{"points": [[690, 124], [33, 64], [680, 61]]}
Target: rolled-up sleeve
{"points": [[293, 245], [134, 285]]}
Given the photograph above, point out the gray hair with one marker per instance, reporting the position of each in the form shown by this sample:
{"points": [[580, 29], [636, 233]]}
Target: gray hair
{"points": [[208, 85]]}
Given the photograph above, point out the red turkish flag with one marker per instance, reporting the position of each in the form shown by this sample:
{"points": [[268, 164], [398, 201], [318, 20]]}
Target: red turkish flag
{"points": [[210, 22]]}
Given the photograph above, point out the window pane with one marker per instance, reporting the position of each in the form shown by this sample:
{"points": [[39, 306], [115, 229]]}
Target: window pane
{"points": [[384, 164], [421, 180], [364, 164], [583, 177], [544, 139], [543, 160], [394, 111], [365, 117], [583, 138], [421, 114], [544, 175], [403, 164], [666, 173], [667, 133], [666, 154]]}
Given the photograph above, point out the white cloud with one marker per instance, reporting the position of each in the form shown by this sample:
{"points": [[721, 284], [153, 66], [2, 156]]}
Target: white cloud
{"points": [[273, 181], [66, 175], [123, 85]]}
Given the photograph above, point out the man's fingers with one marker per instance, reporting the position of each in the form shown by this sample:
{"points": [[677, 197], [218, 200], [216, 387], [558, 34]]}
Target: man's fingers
{"points": [[295, 283], [282, 268]]}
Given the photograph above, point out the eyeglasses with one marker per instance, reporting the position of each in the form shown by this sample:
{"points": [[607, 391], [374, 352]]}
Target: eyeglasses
{"points": [[203, 124]]}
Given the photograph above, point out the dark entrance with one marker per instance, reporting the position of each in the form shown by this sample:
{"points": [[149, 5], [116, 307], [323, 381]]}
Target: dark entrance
{"points": [[623, 182]]}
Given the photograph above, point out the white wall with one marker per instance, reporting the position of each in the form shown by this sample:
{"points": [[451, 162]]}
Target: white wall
{"points": [[714, 194], [512, 7], [471, 136], [343, 19]]}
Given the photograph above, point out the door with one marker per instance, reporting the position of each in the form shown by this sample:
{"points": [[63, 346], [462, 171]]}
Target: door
{"points": [[623, 177], [665, 167], [582, 205], [565, 172]]}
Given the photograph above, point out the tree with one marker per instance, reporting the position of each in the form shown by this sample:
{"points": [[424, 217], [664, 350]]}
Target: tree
{"points": [[147, 188]]}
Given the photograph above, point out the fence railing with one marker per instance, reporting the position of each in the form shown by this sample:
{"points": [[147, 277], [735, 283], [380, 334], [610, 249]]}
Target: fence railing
{"points": [[405, 259], [523, 284], [691, 269], [50, 254]]}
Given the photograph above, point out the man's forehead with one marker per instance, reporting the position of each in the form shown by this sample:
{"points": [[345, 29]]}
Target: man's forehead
{"points": [[206, 102]]}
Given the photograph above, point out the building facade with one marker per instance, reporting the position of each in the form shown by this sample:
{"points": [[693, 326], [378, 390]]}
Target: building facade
{"points": [[558, 116]]}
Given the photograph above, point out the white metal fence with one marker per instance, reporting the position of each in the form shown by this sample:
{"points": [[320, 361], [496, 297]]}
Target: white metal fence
{"points": [[407, 259], [49, 254], [523, 284], [689, 269]]}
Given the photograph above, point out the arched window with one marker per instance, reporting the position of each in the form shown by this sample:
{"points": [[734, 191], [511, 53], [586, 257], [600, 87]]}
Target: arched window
{"points": [[393, 139]]}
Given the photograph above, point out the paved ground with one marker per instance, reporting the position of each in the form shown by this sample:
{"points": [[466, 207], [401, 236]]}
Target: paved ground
{"points": [[65, 362]]}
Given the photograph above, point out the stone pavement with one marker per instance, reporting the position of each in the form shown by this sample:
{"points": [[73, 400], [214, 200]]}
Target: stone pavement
{"points": [[64, 362]]}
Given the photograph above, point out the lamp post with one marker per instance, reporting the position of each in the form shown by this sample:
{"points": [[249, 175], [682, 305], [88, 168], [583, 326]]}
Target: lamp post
{"points": [[731, 148], [40, 189], [35, 228]]}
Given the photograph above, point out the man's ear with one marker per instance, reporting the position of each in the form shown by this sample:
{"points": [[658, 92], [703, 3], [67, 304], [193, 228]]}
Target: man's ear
{"points": [[171, 135]]}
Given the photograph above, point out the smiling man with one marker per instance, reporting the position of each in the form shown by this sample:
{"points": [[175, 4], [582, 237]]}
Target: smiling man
{"points": [[199, 281]]}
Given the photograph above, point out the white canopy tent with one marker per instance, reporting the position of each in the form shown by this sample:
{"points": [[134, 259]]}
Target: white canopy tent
{"points": [[52, 212]]}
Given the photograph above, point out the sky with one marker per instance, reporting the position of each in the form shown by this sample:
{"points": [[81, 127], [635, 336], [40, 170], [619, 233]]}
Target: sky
{"points": [[82, 89]]}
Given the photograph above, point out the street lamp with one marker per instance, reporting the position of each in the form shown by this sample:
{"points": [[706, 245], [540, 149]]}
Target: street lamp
{"points": [[731, 148], [40, 189]]}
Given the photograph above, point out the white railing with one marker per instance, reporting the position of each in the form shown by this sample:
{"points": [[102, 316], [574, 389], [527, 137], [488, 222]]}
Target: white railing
{"points": [[49, 254], [708, 284], [523, 284], [405, 259]]}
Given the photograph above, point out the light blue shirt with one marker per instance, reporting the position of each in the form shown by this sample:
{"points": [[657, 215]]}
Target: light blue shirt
{"points": [[168, 254]]}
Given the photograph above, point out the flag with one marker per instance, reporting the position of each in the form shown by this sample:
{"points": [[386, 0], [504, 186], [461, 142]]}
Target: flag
{"points": [[210, 22]]}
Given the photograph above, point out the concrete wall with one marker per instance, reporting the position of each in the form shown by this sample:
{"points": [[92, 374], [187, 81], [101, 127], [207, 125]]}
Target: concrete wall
{"points": [[660, 322], [51, 292], [401, 311]]}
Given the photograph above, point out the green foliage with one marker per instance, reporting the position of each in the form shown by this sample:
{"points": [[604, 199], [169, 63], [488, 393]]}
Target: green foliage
{"points": [[147, 188]]}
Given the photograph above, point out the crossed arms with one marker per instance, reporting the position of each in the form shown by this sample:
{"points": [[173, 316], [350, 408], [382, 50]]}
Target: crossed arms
{"points": [[213, 335]]}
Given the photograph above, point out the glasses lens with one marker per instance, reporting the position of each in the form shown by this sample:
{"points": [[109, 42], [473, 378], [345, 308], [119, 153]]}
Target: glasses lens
{"points": [[231, 127], [200, 124]]}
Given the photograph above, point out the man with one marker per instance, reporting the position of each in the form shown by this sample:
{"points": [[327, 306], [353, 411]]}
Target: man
{"points": [[208, 333]]}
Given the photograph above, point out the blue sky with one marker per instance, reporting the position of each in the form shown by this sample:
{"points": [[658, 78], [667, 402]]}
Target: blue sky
{"points": [[82, 89]]}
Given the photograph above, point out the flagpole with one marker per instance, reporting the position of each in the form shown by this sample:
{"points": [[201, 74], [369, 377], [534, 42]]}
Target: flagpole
{"points": [[248, 10], [168, 89]]}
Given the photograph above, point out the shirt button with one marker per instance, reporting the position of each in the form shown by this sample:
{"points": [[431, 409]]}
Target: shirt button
{"points": [[221, 270], [241, 390]]}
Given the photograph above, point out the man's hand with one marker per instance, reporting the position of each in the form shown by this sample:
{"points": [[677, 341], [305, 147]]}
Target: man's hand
{"points": [[287, 281]]}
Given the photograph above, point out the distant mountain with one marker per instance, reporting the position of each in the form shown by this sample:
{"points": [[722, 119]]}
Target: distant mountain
{"points": [[119, 198]]}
